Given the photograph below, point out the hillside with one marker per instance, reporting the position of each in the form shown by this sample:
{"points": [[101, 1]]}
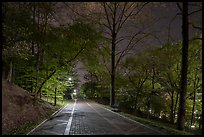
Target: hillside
{"points": [[18, 109]]}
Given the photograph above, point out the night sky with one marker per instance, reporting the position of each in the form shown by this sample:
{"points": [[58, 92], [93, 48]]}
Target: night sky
{"points": [[162, 12]]}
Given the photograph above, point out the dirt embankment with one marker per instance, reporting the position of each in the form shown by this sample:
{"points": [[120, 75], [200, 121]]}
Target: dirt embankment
{"points": [[18, 108]]}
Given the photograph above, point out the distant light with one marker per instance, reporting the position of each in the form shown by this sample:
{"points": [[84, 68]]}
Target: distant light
{"points": [[74, 90], [159, 116], [70, 78], [193, 126], [150, 110], [198, 117], [195, 111]]}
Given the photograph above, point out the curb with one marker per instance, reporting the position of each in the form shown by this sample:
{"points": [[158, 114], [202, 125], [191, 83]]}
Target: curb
{"points": [[59, 110]]}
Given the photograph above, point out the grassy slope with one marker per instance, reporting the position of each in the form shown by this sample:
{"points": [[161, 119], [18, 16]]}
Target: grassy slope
{"points": [[19, 114]]}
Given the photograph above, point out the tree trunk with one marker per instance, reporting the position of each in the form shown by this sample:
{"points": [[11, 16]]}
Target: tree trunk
{"points": [[13, 73], [55, 97], [40, 94], [153, 77], [172, 108], [37, 56], [194, 98], [54, 71], [37, 69], [32, 46], [192, 114], [101, 89], [184, 69], [115, 21], [112, 100], [177, 95], [9, 76]]}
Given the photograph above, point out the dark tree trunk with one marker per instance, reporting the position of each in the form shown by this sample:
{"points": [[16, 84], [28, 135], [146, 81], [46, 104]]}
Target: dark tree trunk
{"points": [[153, 77], [175, 106], [54, 71], [184, 69], [112, 100], [9, 76], [31, 84], [55, 97], [40, 94], [101, 90], [172, 108], [32, 47], [194, 98], [135, 101], [38, 55], [113, 68], [13, 73], [192, 115], [37, 68], [32, 44], [115, 22]]}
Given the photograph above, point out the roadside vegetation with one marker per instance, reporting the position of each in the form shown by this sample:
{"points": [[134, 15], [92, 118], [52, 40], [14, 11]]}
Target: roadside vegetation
{"points": [[165, 127], [148, 86]]}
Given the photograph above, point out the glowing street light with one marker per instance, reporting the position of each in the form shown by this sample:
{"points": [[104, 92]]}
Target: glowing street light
{"points": [[193, 126], [74, 92]]}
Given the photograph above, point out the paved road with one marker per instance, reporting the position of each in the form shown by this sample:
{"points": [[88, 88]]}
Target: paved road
{"points": [[84, 117]]}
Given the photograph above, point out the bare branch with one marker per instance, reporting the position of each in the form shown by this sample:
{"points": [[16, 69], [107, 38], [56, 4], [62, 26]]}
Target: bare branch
{"points": [[108, 27], [179, 6], [195, 5], [194, 12], [107, 17], [140, 9], [122, 13], [196, 27], [196, 39], [157, 38], [169, 35], [106, 66], [122, 22], [109, 7], [130, 46], [118, 40], [74, 10], [130, 14]]}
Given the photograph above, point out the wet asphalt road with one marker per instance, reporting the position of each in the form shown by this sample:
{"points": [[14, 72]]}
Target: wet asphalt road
{"points": [[84, 117]]}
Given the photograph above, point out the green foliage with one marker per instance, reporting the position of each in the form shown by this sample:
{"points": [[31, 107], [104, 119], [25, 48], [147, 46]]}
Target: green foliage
{"points": [[134, 81], [90, 90], [167, 63], [43, 54]]}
